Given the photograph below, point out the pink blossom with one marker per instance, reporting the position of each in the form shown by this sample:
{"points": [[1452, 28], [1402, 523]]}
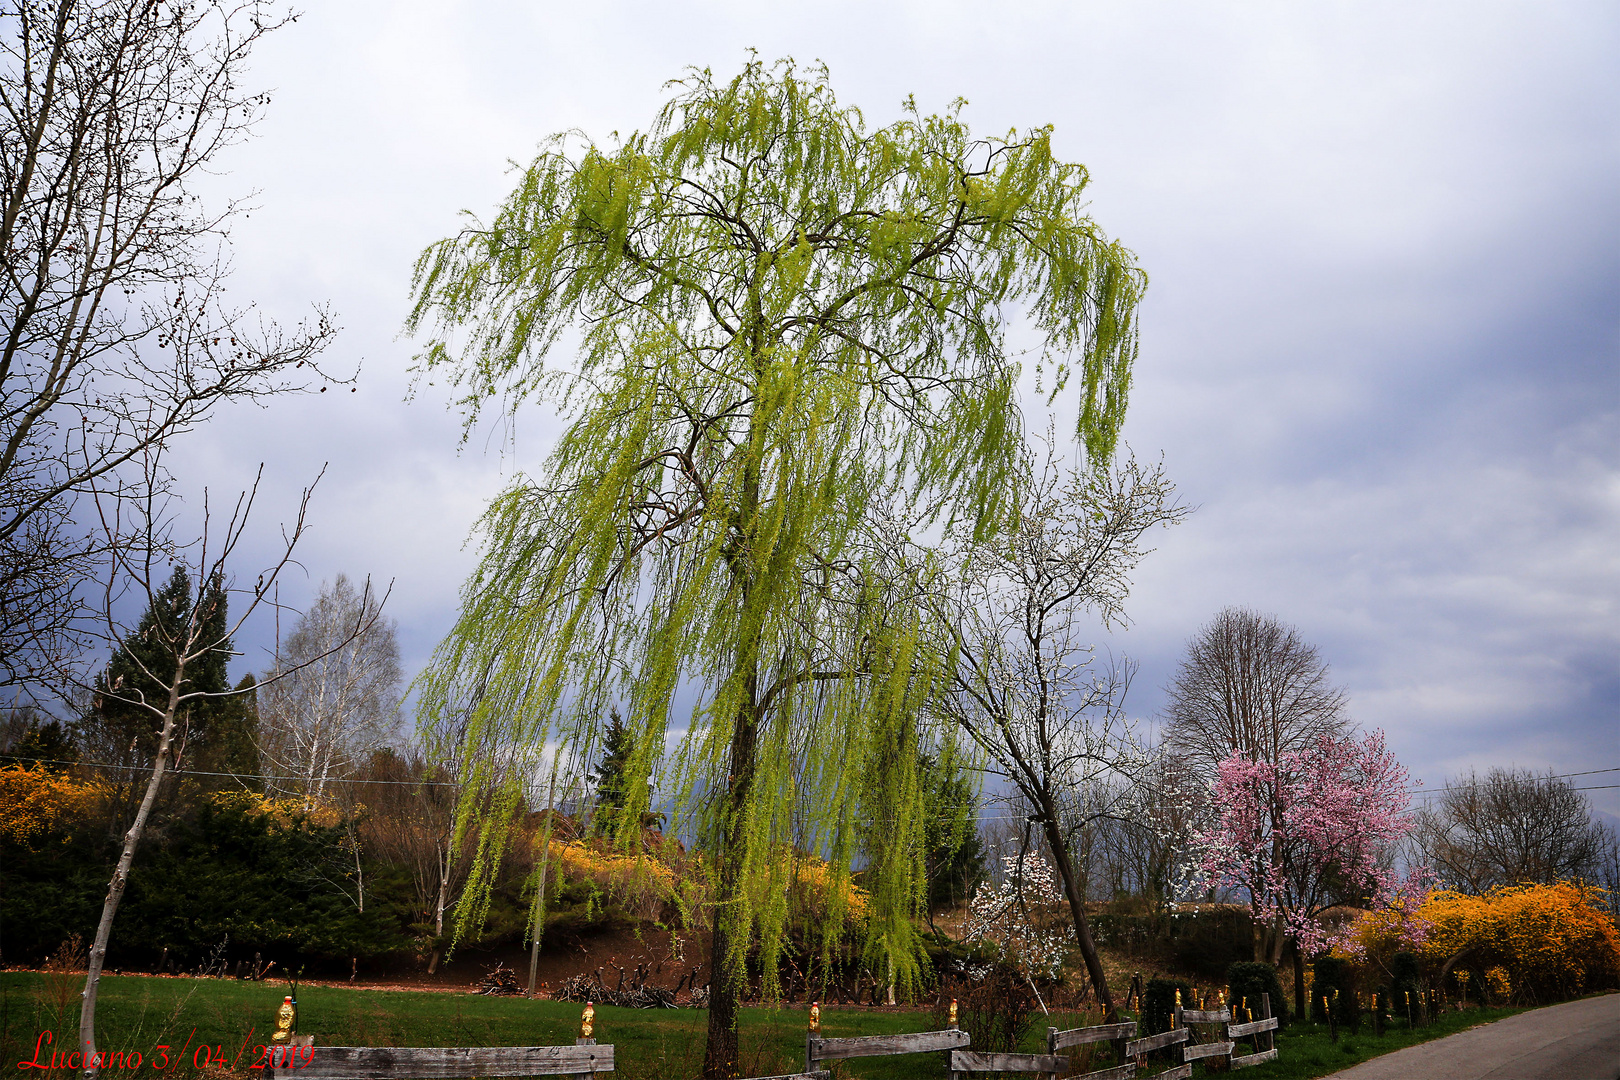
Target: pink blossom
{"points": [[1295, 834]]}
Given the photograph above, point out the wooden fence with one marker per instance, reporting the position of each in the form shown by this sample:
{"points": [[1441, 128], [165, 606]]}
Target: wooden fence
{"points": [[298, 1059], [817, 1048]]}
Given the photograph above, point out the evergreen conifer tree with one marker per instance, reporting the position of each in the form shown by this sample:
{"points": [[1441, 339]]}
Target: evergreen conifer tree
{"points": [[954, 852], [142, 669], [610, 781]]}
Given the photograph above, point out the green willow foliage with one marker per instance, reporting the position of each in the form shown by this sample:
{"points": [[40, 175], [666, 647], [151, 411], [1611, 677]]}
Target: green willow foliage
{"points": [[776, 324]]}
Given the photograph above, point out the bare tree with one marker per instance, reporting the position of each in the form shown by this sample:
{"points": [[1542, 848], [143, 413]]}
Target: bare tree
{"points": [[1250, 684], [1508, 827], [1134, 850], [142, 566], [410, 822], [333, 695], [1606, 876], [115, 336], [1025, 688], [42, 565]]}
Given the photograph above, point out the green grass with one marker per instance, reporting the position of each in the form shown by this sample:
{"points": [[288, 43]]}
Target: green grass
{"points": [[140, 1014]]}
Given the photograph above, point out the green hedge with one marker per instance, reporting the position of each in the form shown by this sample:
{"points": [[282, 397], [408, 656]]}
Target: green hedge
{"points": [[1247, 979], [1332, 974], [1159, 1002]]}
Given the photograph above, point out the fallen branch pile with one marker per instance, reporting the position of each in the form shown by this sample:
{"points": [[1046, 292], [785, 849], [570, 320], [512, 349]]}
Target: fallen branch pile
{"points": [[500, 982], [639, 995]]}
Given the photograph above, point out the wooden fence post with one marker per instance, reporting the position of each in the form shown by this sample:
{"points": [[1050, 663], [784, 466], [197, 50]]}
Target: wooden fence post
{"points": [[1265, 1014], [812, 1033], [587, 1034], [950, 1073]]}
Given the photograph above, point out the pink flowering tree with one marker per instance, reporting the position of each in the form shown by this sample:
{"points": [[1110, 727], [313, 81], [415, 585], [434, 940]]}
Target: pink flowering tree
{"points": [[1304, 833]]}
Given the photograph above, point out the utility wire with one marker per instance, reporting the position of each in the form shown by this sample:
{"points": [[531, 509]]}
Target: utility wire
{"points": [[453, 783], [1560, 776]]}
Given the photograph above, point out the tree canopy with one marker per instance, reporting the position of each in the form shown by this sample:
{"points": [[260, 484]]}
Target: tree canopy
{"points": [[783, 327]]}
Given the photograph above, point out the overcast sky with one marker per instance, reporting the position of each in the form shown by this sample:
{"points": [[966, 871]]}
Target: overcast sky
{"points": [[1379, 349]]}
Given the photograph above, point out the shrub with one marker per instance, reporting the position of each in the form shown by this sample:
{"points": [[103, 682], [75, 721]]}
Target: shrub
{"points": [[1498, 985], [1159, 1002], [998, 1009], [1202, 940], [37, 801], [1211, 939], [1405, 978], [1249, 980], [279, 885], [1552, 941], [637, 883], [1331, 973]]}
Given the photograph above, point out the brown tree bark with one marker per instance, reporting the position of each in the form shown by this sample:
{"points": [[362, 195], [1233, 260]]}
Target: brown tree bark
{"points": [[1299, 983], [1075, 893], [725, 981]]}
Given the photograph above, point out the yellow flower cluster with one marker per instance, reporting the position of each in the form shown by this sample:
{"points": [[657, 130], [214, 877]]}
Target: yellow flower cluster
{"points": [[34, 801], [1546, 941], [1499, 984], [817, 886], [283, 813], [1382, 932], [1551, 940], [639, 882]]}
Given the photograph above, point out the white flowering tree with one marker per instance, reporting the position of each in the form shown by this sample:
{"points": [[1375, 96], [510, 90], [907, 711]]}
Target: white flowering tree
{"points": [[1024, 687], [1024, 916]]}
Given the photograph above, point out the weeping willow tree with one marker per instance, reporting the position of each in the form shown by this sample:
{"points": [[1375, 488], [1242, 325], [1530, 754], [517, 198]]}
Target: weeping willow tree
{"points": [[766, 328]]}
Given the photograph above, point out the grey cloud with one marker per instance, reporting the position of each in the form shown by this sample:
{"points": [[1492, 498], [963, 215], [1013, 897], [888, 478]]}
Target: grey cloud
{"points": [[1379, 349]]}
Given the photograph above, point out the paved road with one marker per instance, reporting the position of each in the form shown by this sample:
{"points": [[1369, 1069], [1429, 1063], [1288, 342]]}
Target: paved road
{"points": [[1579, 1040]]}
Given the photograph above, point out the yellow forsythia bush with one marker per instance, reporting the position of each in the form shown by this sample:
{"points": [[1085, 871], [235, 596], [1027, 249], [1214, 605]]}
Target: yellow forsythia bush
{"points": [[638, 882], [816, 886], [283, 813], [1498, 984], [1532, 942], [35, 801], [1554, 941]]}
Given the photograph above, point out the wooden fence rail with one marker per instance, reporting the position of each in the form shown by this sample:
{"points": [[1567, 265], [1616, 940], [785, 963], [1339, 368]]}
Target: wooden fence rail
{"points": [[988, 1061], [817, 1048], [1180, 1039], [295, 1057], [1259, 1031], [436, 1063]]}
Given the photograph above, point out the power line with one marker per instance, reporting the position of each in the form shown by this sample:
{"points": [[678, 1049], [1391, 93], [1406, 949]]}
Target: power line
{"points": [[1560, 776], [453, 783]]}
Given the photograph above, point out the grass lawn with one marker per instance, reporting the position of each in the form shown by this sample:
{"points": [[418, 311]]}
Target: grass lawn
{"points": [[220, 1020]]}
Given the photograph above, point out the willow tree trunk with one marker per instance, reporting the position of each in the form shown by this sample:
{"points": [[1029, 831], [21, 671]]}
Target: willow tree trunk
{"points": [[120, 879], [1075, 893], [725, 979]]}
